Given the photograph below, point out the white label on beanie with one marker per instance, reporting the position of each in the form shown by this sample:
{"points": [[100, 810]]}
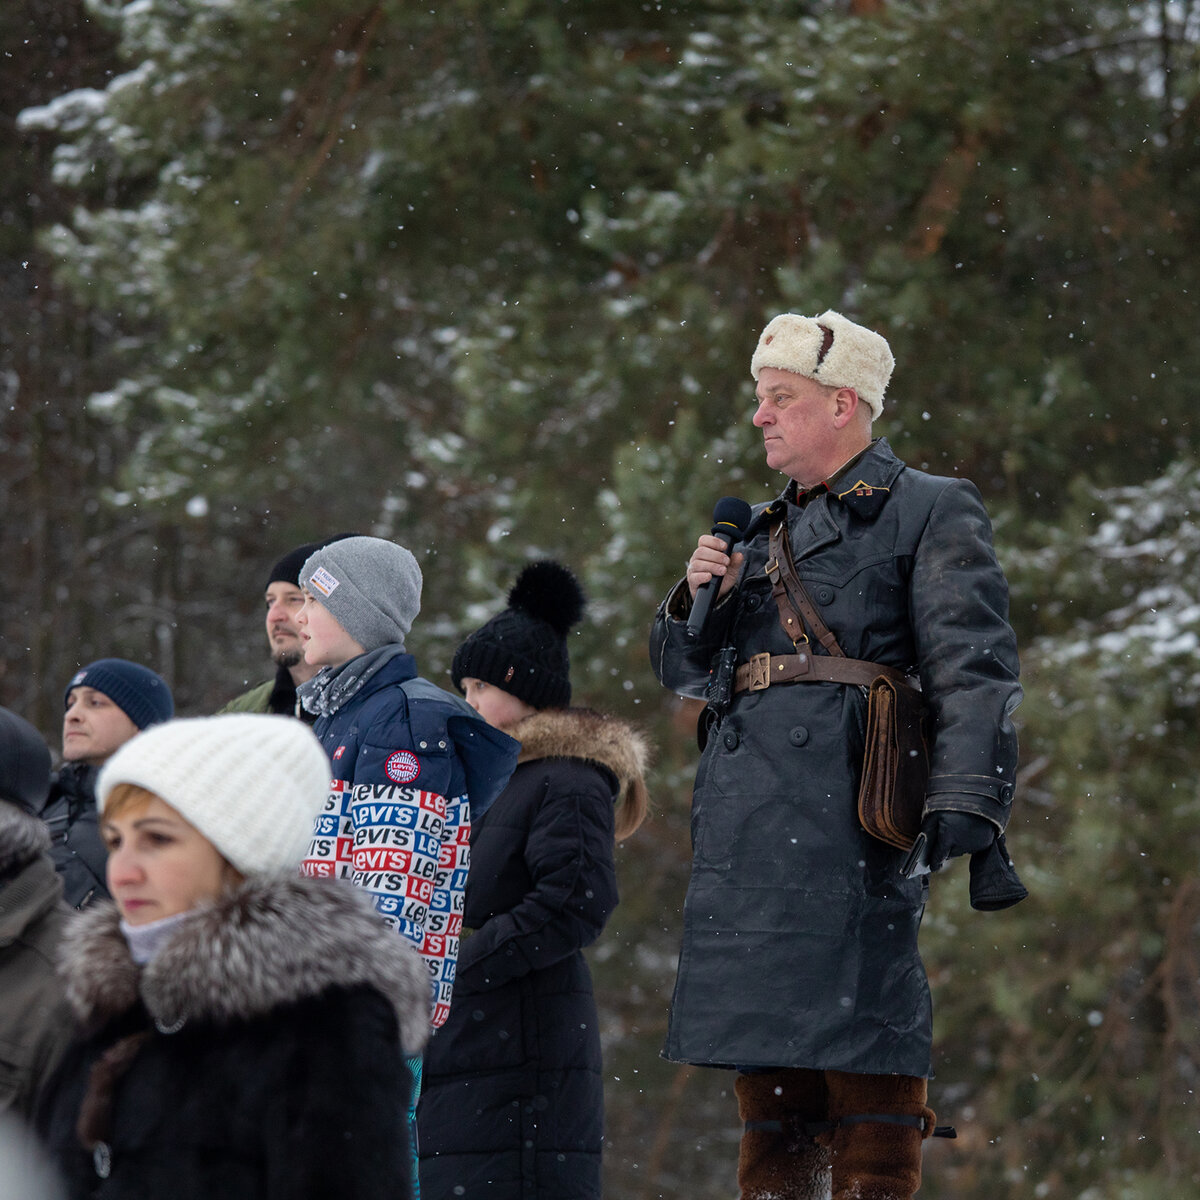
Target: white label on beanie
{"points": [[323, 581]]}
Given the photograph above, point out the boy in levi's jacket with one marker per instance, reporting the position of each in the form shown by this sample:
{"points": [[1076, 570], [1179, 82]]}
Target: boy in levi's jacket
{"points": [[411, 763]]}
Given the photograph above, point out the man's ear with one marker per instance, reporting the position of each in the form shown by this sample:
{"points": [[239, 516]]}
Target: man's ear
{"points": [[845, 405]]}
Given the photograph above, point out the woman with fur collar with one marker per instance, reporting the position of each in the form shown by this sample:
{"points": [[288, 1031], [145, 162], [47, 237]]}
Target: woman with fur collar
{"points": [[513, 1100], [242, 1030]]}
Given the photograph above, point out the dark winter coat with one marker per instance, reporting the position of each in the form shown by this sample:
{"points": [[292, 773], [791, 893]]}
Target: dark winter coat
{"points": [[77, 848], [35, 1023], [259, 1055], [800, 936], [512, 1101]]}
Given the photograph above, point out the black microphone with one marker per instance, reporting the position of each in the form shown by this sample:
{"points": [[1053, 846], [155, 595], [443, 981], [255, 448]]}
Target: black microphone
{"points": [[731, 519]]}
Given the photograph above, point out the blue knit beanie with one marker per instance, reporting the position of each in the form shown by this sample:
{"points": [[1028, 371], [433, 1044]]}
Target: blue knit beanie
{"points": [[140, 693]]}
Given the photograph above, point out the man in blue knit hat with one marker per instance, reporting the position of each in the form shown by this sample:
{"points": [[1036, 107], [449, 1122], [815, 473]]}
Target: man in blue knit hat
{"points": [[105, 704]]}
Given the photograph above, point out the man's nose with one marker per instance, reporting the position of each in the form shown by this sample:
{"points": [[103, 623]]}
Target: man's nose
{"points": [[762, 414]]}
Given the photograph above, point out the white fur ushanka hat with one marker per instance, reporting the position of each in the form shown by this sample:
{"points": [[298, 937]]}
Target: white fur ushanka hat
{"points": [[252, 783], [830, 349]]}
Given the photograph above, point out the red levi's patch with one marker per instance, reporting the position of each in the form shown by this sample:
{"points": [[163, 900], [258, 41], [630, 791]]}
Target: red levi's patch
{"points": [[402, 766]]}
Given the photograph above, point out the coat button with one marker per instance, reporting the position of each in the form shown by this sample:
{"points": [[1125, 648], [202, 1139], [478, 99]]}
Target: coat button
{"points": [[731, 739], [798, 736], [824, 595], [753, 602]]}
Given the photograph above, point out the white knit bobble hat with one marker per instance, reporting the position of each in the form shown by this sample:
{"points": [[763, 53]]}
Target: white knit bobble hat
{"points": [[251, 783], [856, 357]]}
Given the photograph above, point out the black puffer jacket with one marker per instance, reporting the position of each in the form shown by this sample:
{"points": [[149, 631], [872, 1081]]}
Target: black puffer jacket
{"points": [[76, 846], [259, 1055], [800, 936], [512, 1102]]}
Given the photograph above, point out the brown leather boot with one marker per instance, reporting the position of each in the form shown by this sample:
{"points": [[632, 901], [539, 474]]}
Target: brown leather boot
{"points": [[777, 1159], [880, 1123]]}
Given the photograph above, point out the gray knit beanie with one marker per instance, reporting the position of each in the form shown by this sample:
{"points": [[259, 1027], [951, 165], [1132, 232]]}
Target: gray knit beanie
{"points": [[372, 588]]}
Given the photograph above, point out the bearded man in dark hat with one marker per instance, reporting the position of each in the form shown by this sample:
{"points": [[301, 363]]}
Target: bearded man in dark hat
{"points": [[283, 599]]}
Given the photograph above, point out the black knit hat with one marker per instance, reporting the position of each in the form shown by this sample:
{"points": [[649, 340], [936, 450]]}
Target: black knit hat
{"points": [[287, 569], [24, 762], [523, 650]]}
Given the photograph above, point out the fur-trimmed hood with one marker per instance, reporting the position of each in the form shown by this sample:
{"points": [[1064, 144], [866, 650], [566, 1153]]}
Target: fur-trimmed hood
{"points": [[272, 941], [597, 738], [22, 838]]}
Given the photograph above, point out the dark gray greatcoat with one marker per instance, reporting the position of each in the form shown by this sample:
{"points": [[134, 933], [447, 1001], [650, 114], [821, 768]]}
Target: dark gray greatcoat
{"points": [[512, 1099], [260, 1055], [800, 936]]}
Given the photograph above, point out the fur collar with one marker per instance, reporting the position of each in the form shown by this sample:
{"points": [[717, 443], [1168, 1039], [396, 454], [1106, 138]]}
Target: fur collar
{"points": [[22, 838], [270, 942], [582, 733]]}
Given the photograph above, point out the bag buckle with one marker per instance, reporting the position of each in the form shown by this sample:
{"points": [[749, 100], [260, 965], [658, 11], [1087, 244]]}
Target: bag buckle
{"points": [[760, 672]]}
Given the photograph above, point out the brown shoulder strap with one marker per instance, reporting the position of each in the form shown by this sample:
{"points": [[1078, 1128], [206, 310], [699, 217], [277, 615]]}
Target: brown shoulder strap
{"points": [[790, 594]]}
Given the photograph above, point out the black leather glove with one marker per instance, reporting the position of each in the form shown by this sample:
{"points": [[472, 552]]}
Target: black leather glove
{"points": [[953, 833]]}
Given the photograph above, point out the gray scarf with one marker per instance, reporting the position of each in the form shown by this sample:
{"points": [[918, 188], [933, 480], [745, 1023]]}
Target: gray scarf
{"points": [[331, 687], [145, 941]]}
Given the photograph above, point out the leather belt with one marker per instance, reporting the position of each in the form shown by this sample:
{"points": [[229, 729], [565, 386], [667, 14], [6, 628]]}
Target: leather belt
{"points": [[764, 670]]}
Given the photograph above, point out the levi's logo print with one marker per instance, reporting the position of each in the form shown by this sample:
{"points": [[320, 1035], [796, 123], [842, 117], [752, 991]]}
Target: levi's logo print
{"points": [[402, 766], [397, 846]]}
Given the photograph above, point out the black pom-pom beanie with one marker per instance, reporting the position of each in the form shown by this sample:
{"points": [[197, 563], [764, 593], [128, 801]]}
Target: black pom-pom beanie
{"points": [[523, 650]]}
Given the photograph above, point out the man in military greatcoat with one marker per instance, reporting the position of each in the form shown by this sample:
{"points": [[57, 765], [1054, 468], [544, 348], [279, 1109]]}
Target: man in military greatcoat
{"points": [[799, 966]]}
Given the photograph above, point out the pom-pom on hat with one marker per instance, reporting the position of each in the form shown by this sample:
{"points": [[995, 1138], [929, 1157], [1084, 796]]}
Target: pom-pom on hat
{"points": [[523, 650], [140, 693], [830, 349], [252, 783], [371, 586]]}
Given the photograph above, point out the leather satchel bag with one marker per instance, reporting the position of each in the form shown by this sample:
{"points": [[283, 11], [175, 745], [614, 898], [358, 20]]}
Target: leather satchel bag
{"points": [[891, 796]]}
